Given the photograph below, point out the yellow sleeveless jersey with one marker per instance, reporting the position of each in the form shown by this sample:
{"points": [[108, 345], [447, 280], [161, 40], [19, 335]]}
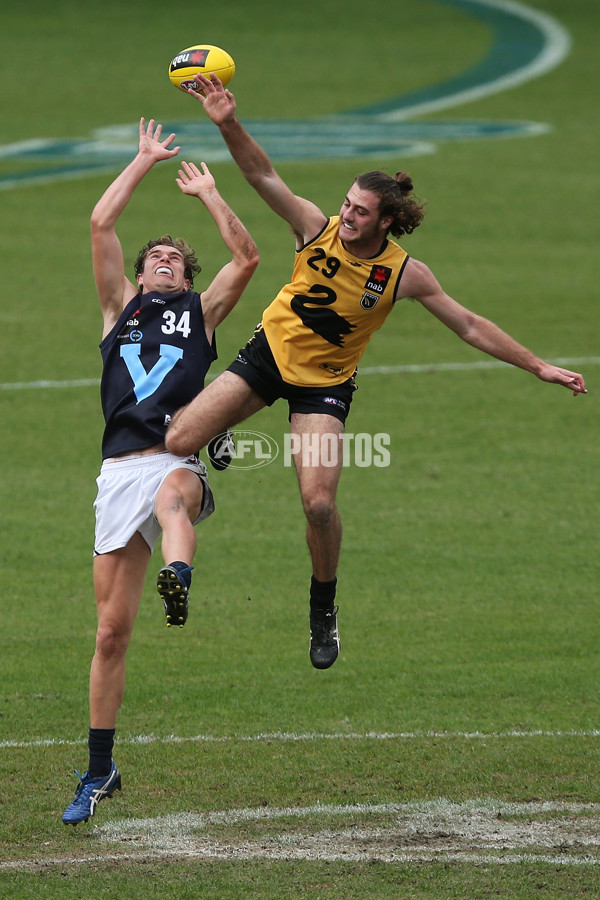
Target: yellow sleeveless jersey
{"points": [[320, 323]]}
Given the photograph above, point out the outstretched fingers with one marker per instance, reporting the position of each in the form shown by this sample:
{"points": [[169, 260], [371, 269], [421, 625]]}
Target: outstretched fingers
{"points": [[151, 137], [217, 100], [193, 181]]}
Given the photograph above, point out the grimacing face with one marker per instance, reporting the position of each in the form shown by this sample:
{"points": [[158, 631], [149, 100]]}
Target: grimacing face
{"points": [[164, 270]]}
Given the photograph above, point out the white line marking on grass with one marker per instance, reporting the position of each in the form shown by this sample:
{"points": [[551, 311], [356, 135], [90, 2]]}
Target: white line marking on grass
{"points": [[388, 832], [471, 831], [45, 384], [292, 737], [408, 369], [467, 366], [474, 832]]}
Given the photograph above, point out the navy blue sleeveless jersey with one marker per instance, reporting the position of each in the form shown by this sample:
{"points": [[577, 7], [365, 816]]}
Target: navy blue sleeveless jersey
{"points": [[155, 360]]}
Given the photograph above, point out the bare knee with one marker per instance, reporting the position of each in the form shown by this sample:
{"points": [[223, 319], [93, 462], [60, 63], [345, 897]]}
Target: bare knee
{"points": [[170, 499], [320, 510], [180, 495], [111, 642]]}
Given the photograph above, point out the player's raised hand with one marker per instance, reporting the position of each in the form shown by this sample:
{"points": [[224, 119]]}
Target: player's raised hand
{"points": [[218, 101], [152, 142], [194, 182]]}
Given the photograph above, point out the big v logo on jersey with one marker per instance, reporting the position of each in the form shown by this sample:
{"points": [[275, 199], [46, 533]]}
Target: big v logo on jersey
{"points": [[146, 383]]}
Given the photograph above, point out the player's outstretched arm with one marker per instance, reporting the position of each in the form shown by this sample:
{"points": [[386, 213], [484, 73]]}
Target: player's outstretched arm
{"points": [[226, 288], [419, 282], [305, 218], [107, 255]]}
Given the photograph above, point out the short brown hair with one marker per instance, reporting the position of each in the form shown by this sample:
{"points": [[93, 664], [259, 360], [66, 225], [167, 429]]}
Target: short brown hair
{"points": [[190, 260], [396, 199]]}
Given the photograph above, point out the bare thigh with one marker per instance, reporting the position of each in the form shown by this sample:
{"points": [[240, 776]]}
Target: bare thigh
{"points": [[223, 403], [118, 583], [319, 458]]}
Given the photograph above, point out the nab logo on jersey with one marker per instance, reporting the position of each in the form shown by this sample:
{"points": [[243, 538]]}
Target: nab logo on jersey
{"points": [[378, 279]]}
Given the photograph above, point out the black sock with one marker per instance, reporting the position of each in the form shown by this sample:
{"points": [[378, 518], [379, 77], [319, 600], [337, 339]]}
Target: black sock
{"points": [[100, 743], [184, 570], [322, 594]]}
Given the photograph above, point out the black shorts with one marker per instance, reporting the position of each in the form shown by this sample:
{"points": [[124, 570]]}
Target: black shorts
{"points": [[256, 365]]}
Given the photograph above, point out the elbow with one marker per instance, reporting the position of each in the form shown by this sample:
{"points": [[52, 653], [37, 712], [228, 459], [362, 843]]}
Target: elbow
{"points": [[95, 226], [251, 256], [98, 220], [470, 329], [249, 262]]}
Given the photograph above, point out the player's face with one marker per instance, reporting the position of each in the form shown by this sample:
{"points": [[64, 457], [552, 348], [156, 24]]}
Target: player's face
{"points": [[360, 223], [164, 271]]}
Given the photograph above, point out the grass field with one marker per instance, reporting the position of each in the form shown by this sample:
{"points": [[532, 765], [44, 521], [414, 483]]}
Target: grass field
{"points": [[452, 751]]}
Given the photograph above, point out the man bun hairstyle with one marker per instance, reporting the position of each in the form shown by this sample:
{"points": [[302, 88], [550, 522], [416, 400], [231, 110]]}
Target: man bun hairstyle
{"points": [[190, 260], [396, 199]]}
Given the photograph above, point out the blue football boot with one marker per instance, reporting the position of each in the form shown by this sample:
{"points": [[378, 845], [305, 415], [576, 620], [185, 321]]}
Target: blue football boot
{"points": [[89, 793]]}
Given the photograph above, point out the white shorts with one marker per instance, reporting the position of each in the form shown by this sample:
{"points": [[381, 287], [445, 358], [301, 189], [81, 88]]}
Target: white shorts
{"points": [[127, 487]]}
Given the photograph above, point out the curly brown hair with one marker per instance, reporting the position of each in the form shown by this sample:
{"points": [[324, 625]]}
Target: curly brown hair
{"points": [[191, 265], [396, 199]]}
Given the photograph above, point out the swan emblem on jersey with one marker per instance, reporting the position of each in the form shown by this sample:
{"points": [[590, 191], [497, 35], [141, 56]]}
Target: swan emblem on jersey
{"points": [[324, 322]]}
